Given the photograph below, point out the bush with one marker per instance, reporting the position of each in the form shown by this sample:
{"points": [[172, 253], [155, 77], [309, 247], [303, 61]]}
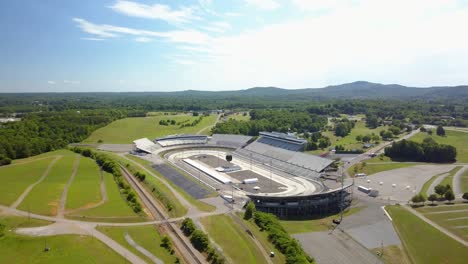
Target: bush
{"points": [[281, 239], [249, 210], [4, 160], [188, 226], [199, 240]]}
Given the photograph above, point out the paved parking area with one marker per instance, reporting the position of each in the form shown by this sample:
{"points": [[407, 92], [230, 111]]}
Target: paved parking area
{"points": [[408, 181], [192, 188], [212, 161], [335, 248]]}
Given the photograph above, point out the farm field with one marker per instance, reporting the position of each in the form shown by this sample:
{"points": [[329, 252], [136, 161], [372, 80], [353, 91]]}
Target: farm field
{"points": [[124, 131], [422, 242], [114, 209], [44, 198], [146, 236], [455, 138], [72, 249], [237, 246], [85, 188], [18, 176], [305, 226]]}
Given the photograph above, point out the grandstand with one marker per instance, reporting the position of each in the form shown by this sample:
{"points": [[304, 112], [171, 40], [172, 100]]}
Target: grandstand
{"points": [[145, 145], [175, 140], [291, 162], [230, 141], [281, 140]]}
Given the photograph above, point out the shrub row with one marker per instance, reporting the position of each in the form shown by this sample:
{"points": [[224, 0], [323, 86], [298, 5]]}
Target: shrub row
{"points": [[200, 241], [111, 166], [281, 239], [194, 123]]}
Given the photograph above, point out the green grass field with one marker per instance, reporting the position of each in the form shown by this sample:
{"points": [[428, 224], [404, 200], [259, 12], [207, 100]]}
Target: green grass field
{"points": [[124, 131], [424, 243], [464, 181], [16, 178], [44, 198], [392, 255], [322, 224], [85, 188], [239, 117], [370, 168], [427, 184], [237, 246], [63, 249], [350, 142], [199, 204], [449, 178], [115, 207], [146, 236], [449, 220], [262, 237], [455, 138]]}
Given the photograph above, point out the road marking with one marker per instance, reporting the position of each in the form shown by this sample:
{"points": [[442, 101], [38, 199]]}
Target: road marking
{"points": [[386, 213]]}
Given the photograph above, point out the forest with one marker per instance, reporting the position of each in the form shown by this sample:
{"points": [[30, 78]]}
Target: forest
{"points": [[427, 151], [37, 133]]}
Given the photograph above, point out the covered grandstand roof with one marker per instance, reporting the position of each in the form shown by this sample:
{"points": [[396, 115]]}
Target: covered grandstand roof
{"points": [[145, 145], [229, 140], [300, 159], [282, 140], [184, 139]]}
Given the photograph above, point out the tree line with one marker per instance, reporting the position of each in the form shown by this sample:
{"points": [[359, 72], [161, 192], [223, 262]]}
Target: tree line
{"points": [[427, 151], [37, 133]]}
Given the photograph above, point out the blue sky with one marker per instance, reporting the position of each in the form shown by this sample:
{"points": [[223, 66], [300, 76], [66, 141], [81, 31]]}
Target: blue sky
{"points": [[157, 45]]}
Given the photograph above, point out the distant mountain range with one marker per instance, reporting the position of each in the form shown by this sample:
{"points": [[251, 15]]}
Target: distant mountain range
{"points": [[354, 90]]}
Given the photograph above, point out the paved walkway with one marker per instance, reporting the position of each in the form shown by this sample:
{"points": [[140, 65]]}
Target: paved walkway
{"points": [[63, 199], [438, 227], [30, 187], [457, 188], [142, 250]]}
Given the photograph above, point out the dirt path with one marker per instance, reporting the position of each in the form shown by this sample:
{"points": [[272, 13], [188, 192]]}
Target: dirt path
{"points": [[30, 187], [63, 199], [265, 254], [142, 250], [210, 126], [457, 188], [438, 227], [104, 198]]}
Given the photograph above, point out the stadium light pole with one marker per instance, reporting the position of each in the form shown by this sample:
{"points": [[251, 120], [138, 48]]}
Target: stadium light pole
{"points": [[271, 164]]}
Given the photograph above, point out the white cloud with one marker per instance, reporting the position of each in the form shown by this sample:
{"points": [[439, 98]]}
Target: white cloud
{"points": [[71, 82], [218, 27], [184, 62], [51, 82], [143, 39], [110, 31], [155, 11], [362, 41], [264, 4], [318, 5]]}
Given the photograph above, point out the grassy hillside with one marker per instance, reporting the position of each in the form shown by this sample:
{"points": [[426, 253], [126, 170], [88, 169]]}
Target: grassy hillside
{"points": [[85, 188], [124, 131], [424, 243]]}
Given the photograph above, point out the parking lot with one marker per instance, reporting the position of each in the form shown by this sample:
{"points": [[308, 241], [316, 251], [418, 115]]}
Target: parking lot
{"points": [[264, 183]]}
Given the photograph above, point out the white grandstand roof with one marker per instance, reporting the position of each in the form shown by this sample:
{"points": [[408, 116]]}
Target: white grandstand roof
{"points": [[145, 145]]}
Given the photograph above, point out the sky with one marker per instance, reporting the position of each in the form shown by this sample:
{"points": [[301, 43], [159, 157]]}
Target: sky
{"points": [[168, 45]]}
